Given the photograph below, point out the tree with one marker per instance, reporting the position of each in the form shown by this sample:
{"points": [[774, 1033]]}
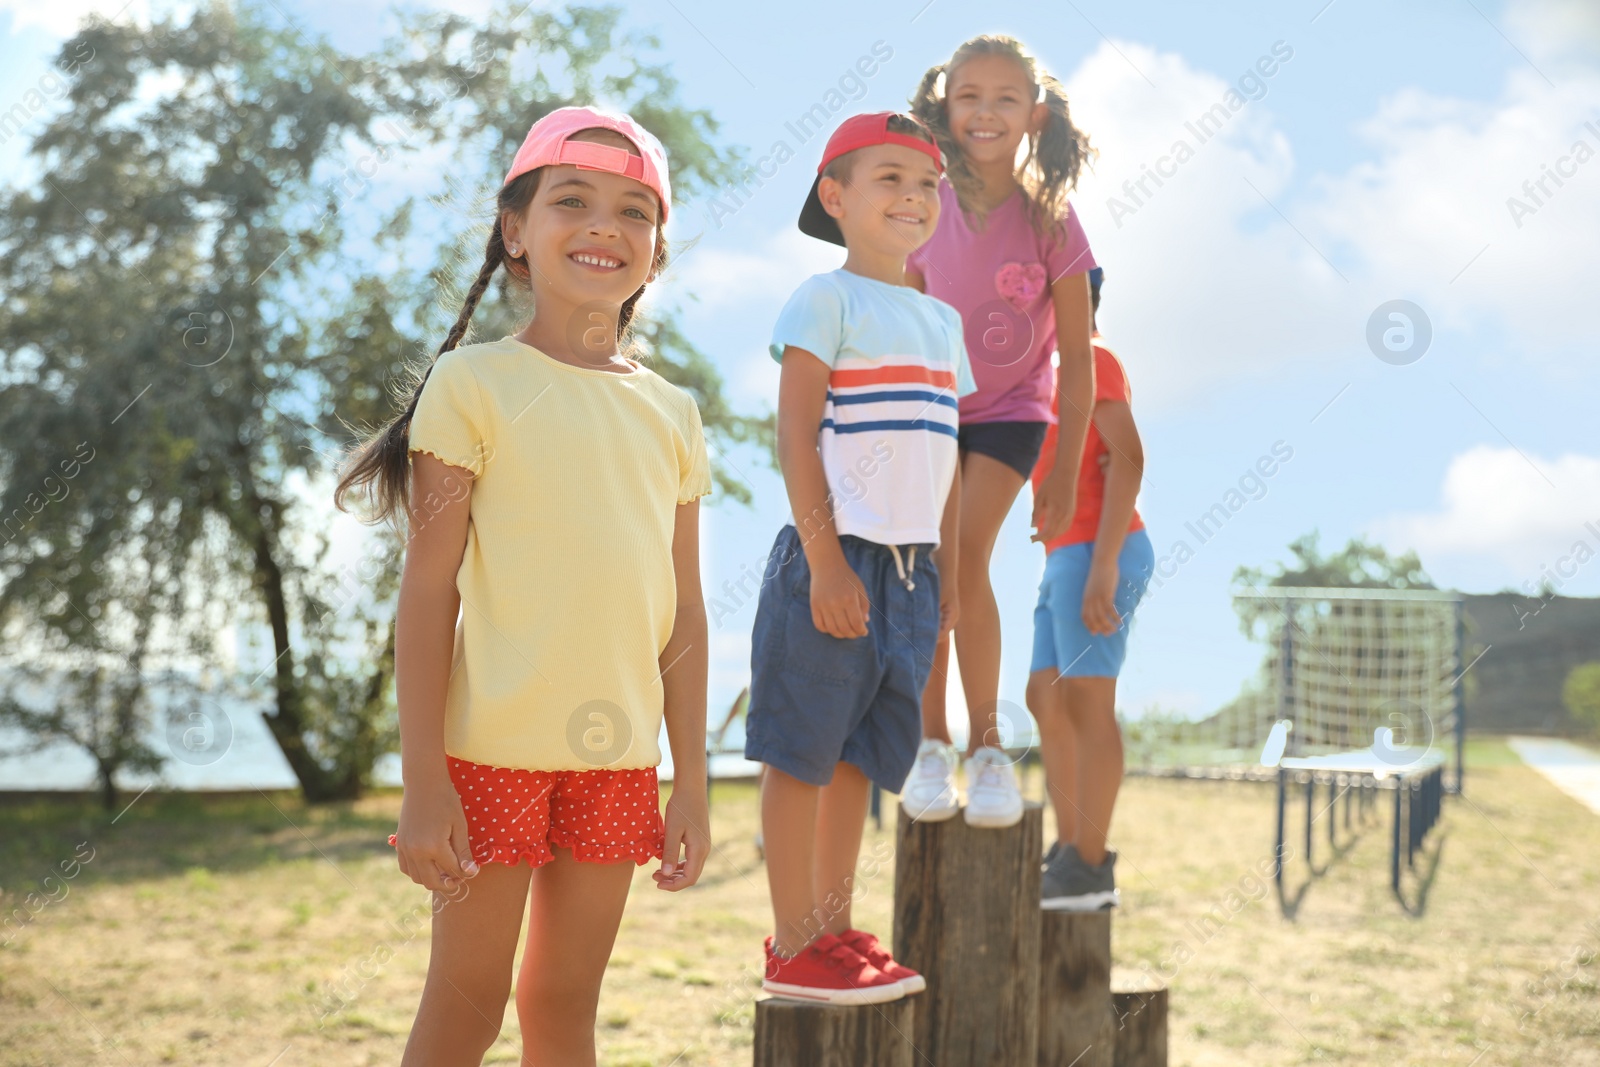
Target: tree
{"points": [[1359, 565], [480, 86], [95, 690], [1581, 694], [185, 293], [101, 707]]}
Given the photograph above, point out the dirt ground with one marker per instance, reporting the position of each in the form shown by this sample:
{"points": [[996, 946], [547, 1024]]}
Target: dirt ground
{"points": [[255, 930]]}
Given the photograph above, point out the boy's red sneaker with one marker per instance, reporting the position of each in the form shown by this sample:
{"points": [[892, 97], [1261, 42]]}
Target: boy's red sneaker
{"points": [[828, 971], [870, 947]]}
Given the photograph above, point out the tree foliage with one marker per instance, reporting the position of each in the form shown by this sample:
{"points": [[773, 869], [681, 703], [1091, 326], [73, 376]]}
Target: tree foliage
{"points": [[1581, 694], [1361, 564], [199, 294]]}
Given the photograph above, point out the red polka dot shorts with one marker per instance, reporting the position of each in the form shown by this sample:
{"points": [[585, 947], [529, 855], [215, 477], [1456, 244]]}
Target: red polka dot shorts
{"points": [[602, 816]]}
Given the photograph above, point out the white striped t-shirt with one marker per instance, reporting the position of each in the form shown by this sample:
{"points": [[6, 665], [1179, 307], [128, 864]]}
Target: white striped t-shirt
{"points": [[888, 434]]}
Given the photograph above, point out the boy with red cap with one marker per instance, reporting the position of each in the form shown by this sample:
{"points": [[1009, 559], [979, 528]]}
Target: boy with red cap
{"points": [[858, 587]]}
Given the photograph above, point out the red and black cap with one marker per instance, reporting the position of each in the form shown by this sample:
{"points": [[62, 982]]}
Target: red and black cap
{"points": [[858, 131]]}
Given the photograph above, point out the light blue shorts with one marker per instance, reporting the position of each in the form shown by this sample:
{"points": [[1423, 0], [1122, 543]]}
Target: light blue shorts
{"points": [[1060, 639]]}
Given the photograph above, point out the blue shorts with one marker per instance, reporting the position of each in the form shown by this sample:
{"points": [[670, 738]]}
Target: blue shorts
{"points": [[815, 699], [1060, 639]]}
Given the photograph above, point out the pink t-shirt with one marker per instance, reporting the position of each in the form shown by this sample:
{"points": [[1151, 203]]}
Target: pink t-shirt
{"points": [[999, 278]]}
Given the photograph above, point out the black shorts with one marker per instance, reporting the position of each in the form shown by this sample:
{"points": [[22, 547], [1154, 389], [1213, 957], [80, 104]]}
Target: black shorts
{"points": [[1016, 444]]}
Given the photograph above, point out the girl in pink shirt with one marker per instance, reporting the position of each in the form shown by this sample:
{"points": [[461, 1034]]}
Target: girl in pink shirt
{"points": [[1011, 257]]}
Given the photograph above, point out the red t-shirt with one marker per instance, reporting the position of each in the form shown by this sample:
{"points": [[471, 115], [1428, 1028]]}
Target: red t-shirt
{"points": [[1110, 383]]}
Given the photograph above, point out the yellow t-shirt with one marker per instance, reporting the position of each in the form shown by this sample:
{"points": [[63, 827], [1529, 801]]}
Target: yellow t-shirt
{"points": [[567, 585]]}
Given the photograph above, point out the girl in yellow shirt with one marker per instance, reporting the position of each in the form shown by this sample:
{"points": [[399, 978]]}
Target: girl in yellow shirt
{"points": [[550, 614]]}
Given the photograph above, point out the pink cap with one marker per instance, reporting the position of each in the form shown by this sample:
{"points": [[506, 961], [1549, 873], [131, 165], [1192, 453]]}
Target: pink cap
{"points": [[548, 143]]}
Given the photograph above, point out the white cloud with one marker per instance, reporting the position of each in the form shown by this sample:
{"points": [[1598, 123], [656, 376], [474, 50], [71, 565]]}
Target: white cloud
{"points": [[1442, 194], [1203, 280], [723, 274], [61, 18], [1500, 516], [739, 288], [1439, 194]]}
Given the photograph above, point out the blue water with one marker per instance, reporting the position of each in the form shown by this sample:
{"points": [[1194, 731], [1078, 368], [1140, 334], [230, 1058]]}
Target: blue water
{"points": [[208, 753], [224, 744]]}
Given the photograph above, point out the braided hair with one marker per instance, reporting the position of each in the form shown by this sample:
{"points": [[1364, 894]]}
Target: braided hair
{"points": [[381, 465]]}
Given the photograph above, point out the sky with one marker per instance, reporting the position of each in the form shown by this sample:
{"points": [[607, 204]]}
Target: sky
{"points": [[1443, 153]]}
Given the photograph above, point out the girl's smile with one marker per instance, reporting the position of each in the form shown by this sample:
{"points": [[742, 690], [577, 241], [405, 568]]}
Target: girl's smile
{"points": [[988, 143], [597, 259]]}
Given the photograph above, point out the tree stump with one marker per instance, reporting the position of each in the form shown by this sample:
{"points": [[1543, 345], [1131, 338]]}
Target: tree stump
{"points": [[792, 1033], [966, 915], [1139, 1006], [1075, 1021]]}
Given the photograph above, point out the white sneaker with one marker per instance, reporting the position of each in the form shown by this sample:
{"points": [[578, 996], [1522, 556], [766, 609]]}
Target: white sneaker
{"points": [[930, 792], [993, 798]]}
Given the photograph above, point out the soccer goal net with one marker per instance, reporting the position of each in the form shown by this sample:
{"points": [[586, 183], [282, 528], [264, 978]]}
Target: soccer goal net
{"points": [[1344, 670]]}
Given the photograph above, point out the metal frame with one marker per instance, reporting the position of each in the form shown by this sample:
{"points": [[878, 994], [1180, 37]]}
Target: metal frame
{"points": [[1418, 803], [1286, 595]]}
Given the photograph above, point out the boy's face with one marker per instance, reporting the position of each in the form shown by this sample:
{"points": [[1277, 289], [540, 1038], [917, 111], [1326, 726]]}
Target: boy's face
{"points": [[888, 203]]}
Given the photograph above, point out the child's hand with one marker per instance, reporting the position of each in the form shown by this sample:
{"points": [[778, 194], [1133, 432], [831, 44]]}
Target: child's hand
{"points": [[1099, 600], [688, 838], [949, 608], [431, 841], [1053, 505], [839, 605]]}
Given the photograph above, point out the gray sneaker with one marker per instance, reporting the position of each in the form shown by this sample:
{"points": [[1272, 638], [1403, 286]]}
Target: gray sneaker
{"points": [[1069, 884]]}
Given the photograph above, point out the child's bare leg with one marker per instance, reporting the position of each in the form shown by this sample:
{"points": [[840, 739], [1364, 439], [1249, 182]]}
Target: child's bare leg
{"points": [[934, 722], [788, 830], [988, 489], [573, 915], [1058, 748], [841, 817], [469, 969], [1091, 704]]}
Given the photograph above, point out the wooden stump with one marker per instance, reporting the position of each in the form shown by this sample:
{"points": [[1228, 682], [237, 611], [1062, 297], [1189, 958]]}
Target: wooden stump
{"points": [[966, 915], [1139, 1006], [1075, 1021], [792, 1033]]}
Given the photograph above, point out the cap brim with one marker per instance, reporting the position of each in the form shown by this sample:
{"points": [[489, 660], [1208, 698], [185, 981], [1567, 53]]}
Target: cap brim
{"points": [[816, 222]]}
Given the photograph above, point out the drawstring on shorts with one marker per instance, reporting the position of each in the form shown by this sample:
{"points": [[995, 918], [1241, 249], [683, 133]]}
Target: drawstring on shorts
{"points": [[905, 578]]}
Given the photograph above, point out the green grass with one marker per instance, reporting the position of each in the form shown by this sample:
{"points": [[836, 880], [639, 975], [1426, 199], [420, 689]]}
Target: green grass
{"points": [[221, 930]]}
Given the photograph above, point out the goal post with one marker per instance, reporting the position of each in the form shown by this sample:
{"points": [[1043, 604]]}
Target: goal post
{"points": [[1344, 670]]}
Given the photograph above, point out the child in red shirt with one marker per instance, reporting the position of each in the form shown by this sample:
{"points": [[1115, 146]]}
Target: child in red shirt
{"points": [[1095, 574]]}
